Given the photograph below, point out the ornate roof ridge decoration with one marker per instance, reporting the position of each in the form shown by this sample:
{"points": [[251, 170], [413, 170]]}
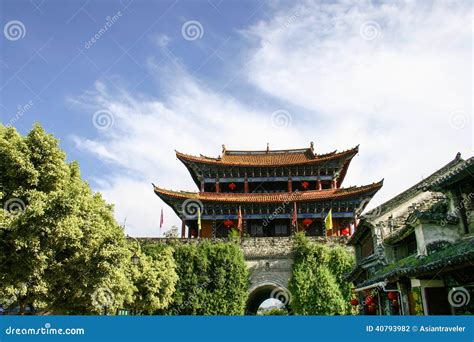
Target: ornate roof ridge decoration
{"points": [[411, 192], [251, 158], [310, 149], [265, 152], [205, 157], [315, 195], [461, 170]]}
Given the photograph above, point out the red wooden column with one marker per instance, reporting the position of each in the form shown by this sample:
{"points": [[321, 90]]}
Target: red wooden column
{"points": [[334, 184], [290, 185], [218, 188], [202, 185], [183, 228], [319, 185], [246, 184]]}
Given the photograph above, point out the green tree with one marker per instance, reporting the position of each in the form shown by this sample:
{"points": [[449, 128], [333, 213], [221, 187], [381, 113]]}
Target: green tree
{"points": [[60, 247], [317, 285], [154, 279], [213, 279], [340, 263]]}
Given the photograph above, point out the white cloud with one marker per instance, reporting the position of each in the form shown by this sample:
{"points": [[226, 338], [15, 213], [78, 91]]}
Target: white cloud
{"points": [[392, 94], [146, 131]]}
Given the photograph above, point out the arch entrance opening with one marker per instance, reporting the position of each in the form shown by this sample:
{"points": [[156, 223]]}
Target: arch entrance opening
{"points": [[268, 293]]}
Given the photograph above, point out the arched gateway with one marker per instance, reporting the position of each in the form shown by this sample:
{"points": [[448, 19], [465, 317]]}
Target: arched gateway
{"points": [[264, 291], [270, 263]]}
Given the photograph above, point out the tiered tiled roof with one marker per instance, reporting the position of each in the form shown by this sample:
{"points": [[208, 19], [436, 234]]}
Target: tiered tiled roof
{"points": [[311, 195], [269, 157]]}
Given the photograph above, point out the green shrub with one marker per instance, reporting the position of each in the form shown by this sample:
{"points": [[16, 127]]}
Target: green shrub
{"points": [[212, 279], [317, 285]]}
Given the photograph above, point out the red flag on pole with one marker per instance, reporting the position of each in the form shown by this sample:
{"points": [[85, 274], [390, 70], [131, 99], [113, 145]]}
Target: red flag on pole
{"points": [[295, 216], [239, 221], [161, 218]]}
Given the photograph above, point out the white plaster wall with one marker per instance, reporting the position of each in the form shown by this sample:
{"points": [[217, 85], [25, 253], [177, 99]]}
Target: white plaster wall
{"points": [[435, 232]]}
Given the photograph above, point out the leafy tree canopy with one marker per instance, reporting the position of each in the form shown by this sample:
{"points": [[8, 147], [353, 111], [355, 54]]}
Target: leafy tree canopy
{"points": [[317, 285], [154, 279], [213, 279], [60, 247]]}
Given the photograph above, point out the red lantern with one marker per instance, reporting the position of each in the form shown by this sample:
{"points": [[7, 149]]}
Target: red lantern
{"points": [[345, 231], [305, 184], [369, 300], [232, 186], [354, 301], [228, 223], [307, 222], [392, 295]]}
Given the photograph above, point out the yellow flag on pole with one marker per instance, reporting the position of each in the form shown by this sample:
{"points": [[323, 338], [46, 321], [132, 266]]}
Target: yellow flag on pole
{"points": [[328, 220], [199, 218]]}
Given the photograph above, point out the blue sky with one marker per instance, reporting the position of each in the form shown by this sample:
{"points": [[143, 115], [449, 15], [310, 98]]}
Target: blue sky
{"points": [[395, 78]]}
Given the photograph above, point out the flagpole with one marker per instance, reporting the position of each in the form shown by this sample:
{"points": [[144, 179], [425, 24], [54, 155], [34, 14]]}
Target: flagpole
{"points": [[294, 220], [328, 225], [199, 223]]}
